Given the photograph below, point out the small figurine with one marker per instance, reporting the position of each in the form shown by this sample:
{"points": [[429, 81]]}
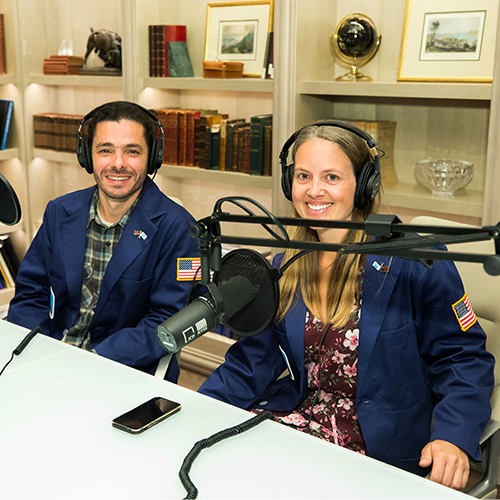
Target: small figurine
{"points": [[108, 45]]}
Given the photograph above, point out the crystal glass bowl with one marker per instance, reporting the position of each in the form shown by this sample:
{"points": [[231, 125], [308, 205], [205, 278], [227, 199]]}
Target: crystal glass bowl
{"points": [[444, 176]]}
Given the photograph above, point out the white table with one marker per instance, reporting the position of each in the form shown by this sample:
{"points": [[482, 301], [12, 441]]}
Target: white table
{"points": [[56, 440]]}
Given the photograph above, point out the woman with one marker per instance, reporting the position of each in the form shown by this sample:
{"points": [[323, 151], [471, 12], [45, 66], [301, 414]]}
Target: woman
{"points": [[372, 345]]}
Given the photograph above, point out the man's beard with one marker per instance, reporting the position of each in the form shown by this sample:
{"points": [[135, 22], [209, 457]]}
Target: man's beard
{"points": [[117, 193]]}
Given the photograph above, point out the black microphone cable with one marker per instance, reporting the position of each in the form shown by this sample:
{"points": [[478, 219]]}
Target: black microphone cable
{"points": [[199, 446], [235, 200], [20, 348]]}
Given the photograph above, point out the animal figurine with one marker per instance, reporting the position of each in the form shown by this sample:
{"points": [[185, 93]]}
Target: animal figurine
{"points": [[108, 46]]}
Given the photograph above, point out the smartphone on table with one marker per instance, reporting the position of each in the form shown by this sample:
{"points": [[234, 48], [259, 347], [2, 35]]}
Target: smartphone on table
{"points": [[146, 415]]}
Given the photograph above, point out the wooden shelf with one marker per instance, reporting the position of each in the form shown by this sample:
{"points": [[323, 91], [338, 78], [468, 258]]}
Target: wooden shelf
{"points": [[51, 155], [199, 83], [473, 91], [234, 178], [11, 229], [6, 79], [76, 80], [406, 195], [8, 154]]}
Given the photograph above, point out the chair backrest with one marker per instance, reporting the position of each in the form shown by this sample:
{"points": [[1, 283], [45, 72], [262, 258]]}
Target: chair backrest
{"points": [[483, 291]]}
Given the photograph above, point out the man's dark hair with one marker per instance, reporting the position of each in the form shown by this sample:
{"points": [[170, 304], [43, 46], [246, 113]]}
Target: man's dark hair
{"points": [[123, 110]]}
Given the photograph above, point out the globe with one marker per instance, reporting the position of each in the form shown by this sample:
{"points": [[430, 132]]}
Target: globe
{"points": [[354, 43], [356, 37]]}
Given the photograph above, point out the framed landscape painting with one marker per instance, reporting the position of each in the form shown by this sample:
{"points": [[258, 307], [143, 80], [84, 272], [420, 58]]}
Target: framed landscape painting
{"points": [[448, 40], [238, 31]]}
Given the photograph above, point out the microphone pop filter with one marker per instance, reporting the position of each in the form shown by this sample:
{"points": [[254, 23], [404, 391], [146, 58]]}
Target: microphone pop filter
{"points": [[260, 312], [10, 209]]}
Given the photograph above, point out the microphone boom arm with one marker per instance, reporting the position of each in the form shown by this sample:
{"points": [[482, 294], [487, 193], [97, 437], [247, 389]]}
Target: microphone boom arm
{"points": [[390, 238]]}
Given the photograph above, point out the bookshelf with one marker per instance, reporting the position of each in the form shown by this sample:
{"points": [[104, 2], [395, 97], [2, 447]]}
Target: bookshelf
{"points": [[434, 119], [200, 83], [76, 80], [239, 98]]}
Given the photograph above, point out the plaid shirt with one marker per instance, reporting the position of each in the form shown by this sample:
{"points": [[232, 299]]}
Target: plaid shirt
{"points": [[100, 242]]}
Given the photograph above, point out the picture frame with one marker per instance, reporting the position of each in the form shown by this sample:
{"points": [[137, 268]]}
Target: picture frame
{"points": [[448, 41], [238, 31]]}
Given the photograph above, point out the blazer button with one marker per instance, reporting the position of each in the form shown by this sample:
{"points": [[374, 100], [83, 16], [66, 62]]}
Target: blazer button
{"points": [[263, 403], [366, 401]]}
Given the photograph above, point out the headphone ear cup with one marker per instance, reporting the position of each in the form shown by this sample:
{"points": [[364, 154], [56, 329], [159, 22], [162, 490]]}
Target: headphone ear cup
{"points": [[287, 180], [155, 158], [365, 185], [83, 154], [152, 157]]}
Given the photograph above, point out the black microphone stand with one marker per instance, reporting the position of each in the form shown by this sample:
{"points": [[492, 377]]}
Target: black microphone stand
{"points": [[390, 237]]}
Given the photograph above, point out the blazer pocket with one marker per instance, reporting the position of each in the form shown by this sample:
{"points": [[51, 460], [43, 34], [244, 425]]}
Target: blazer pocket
{"points": [[398, 373], [132, 290], [59, 297]]}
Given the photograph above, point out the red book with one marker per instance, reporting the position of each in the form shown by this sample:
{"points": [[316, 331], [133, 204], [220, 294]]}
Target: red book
{"points": [[173, 33]]}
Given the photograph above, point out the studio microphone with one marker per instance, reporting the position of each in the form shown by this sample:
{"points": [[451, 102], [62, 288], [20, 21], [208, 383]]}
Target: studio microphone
{"points": [[205, 313]]}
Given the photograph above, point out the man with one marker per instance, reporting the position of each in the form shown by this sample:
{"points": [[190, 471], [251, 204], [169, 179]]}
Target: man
{"points": [[103, 270]]}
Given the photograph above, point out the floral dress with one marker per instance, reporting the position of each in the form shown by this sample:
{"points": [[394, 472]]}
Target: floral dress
{"points": [[334, 413]]}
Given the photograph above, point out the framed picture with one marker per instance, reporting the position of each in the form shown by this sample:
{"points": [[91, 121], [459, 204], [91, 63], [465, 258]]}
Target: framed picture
{"points": [[238, 31], [448, 41]]}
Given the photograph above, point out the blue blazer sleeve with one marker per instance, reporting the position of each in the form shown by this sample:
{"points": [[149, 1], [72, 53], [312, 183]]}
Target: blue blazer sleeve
{"points": [[460, 368], [31, 304]]}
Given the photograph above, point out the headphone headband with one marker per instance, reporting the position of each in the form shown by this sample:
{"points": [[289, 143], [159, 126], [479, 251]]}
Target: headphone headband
{"points": [[368, 179], [155, 155], [332, 123]]}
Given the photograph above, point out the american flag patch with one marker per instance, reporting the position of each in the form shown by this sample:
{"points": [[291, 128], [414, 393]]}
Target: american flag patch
{"points": [[187, 267], [464, 313]]}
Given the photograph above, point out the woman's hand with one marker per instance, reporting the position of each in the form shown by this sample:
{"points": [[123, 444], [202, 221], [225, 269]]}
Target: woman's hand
{"points": [[450, 464]]}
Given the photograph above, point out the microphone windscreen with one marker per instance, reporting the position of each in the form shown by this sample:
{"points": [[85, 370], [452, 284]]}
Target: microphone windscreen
{"points": [[237, 293], [260, 312], [10, 209]]}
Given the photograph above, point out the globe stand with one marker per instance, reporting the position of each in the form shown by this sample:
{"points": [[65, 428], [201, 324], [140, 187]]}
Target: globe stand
{"points": [[354, 76], [355, 43]]}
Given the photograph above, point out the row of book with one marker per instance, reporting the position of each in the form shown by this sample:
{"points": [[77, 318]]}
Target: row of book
{"points": [[9, 263], [56, 131], [211, 141], [194, 138], [62, 65]]}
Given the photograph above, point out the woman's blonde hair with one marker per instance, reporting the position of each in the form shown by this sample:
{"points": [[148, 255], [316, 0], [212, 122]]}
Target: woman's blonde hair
{"points": [[303, 275]]}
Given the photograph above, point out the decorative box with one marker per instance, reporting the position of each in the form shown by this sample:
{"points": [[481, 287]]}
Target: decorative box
{"points": [[222, 69]]}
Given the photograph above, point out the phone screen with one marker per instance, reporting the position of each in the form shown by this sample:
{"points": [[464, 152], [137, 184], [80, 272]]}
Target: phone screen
{"points": [[146, 415]]}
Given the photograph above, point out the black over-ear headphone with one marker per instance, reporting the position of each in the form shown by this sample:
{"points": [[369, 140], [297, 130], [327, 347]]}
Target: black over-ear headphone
{"points": [[155, 154], [368, 180]]}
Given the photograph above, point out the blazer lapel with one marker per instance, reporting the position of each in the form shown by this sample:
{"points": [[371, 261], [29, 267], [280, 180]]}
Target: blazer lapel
{"points": [[295, 322], [73, 232], [130, 246], [377, 291]]}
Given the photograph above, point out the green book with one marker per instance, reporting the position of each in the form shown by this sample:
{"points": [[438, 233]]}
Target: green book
{"points": [[179, 62], [257, 128]]}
